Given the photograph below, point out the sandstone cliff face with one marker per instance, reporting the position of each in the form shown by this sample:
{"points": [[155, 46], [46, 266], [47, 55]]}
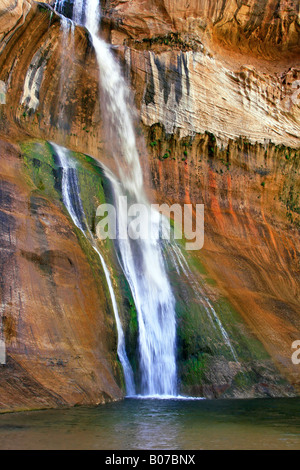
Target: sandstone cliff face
{"points": [[222, 129], [192, 92], [226, 135], [268, 27], [56, 317], [188, 91], [47, 94], [251, 250], [12, 14]]}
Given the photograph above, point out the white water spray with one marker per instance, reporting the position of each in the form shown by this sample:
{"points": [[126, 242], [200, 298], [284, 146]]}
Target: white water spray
{"points": [[143, 265]]}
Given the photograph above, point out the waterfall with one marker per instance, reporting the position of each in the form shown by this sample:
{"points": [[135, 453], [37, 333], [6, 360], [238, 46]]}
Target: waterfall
{"points": [[143, 265], [73, 203], [141, 260]]}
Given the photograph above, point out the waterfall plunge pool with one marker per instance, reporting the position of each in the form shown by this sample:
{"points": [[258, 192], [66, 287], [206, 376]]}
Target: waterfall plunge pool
{"points": [[135, 424]]}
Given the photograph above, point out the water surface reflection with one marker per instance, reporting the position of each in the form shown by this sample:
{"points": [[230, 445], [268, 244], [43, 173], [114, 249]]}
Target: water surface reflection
{"points": [[158, 424]]}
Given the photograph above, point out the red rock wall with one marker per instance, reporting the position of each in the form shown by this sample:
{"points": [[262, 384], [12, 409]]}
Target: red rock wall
{"points": [[252, 242], [262, 27], [58, 323]]}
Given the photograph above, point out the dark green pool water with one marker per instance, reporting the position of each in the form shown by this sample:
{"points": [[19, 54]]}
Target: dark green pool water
{"points": [[154, 424]]}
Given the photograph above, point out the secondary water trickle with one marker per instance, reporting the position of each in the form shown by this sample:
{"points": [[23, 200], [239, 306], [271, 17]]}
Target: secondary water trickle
{"points": [[73, 203]]}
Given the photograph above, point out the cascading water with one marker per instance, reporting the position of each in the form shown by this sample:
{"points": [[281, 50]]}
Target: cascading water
{"points": [[72, 201], [142, 260], [179, 262], [143, 265]]}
